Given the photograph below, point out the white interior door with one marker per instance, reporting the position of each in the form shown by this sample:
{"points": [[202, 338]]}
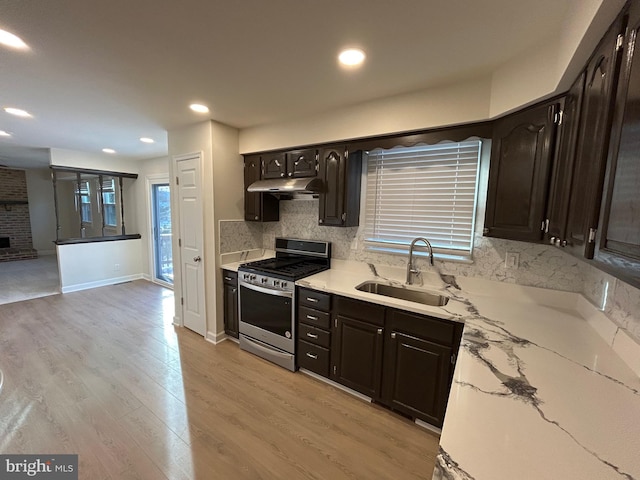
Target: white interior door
{"points": [[191, 241]]}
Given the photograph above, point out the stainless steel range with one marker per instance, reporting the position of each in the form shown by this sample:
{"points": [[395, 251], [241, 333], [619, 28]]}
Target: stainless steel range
{"points": [[267, 297]]}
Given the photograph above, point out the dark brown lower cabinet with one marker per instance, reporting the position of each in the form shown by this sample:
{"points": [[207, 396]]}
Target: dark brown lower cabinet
{"points": [[230, 286], [416, 377], [357, 355]]}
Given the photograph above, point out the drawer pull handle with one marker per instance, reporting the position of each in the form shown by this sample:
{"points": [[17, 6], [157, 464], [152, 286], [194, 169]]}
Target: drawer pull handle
{"points": [[312, 317], [228, 279], [311, 355], [312, 300], [312, 335]]}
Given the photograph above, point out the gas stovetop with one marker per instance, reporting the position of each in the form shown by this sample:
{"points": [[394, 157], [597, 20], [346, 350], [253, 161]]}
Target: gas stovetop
{"points": [[288, 268], [295, 259]]}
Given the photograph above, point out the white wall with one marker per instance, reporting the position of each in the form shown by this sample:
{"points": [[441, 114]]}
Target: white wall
{"points": [[446, 105], [41, 210], [191, 139], [543, 71], [222, 197], [89, 265], [90, 160]]}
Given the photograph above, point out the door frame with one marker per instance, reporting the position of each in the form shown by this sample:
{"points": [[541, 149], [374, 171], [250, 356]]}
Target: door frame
{"points": [[151, 180], [178, 318]]}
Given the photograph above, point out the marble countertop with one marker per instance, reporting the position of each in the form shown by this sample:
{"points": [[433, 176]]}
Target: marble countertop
{"points": [[536, 394]]}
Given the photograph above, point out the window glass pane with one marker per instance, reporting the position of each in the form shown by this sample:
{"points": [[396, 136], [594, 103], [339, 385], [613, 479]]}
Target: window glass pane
{"points": [[424, 191]]}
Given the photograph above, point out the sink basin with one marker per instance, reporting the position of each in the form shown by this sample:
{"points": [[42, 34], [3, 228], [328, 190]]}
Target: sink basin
{"points": [[411, 294]]}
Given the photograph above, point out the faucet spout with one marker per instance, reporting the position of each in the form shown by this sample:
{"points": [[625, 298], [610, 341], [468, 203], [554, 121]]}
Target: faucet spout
{"points": [[410, 268]]}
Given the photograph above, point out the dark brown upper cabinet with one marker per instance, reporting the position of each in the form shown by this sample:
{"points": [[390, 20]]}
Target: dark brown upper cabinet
{"points": [[521, 157], [294, 164], [340, 172], [274, 165], [258, 207], [592, 142], [564, 160], [618, 239]]}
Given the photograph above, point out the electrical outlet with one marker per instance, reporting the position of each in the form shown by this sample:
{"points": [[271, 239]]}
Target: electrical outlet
{"points": [[116, 267], [511, 260]]}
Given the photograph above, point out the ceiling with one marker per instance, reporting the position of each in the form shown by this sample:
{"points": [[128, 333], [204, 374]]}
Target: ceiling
{"points": [[105, 73]]}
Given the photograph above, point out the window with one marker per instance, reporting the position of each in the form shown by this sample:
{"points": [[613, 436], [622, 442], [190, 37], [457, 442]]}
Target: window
{"points": [[424, 191], [109, 202], [83, 194]]}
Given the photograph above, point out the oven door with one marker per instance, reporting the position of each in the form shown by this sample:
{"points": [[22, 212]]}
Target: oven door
{"points": [[267, 315]]}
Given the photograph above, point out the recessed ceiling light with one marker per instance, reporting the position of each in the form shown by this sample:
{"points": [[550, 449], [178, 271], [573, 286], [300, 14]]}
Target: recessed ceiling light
{"points": [[4, 134], [108, 150], [351, 57], [18, 112], [147, 140], [196, 107], [11, 40]]}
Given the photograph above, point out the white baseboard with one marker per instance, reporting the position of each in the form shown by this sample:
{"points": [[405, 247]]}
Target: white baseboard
{"points": [[215, 338], [100, 283], [147, 277], [177, 321]]}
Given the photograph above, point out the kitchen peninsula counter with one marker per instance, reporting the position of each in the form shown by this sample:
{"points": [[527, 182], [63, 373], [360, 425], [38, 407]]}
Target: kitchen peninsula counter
{"points": [[537, 393]]}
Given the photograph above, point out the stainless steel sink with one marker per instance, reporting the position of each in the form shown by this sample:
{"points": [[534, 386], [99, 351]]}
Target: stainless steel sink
{"points": [[411, 294]]}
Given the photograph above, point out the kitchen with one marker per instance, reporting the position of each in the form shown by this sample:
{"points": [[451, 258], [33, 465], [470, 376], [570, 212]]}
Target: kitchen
{"points": [[223, 201]]}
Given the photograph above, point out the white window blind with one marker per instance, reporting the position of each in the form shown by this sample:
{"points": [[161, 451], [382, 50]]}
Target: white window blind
{"points": [[424, 191]]}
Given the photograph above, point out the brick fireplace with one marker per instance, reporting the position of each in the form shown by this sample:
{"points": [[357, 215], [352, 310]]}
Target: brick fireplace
{"points": [[16, 242]]}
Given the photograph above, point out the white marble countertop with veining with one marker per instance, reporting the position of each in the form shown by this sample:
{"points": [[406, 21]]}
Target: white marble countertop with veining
{"points": [[536, 394]]}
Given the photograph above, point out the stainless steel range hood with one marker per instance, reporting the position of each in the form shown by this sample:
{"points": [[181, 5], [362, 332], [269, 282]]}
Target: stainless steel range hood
{"points": [[287, 185]]}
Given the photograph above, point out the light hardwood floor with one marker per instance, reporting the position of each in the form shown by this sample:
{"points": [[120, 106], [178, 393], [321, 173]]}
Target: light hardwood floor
{"points": [[103, 373]]}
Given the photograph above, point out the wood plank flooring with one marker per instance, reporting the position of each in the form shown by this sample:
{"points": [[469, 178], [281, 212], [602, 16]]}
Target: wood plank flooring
{"points": [[103, 373]]}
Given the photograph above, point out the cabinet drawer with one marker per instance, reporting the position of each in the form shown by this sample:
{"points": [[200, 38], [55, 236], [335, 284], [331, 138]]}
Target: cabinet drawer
{"points": [[314, 358], [365, 311], [229, 276], [313, 299], [314, 317], [314, 335], [428, 328]]}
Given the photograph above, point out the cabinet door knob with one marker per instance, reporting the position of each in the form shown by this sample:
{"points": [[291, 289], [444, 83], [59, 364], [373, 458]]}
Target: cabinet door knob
{"points": [[256, 217], [291, 174], [379, 331], [552, 240], [282, 174], [393, 335]]}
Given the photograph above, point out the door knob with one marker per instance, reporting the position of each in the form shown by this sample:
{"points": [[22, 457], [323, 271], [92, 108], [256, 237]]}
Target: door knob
{"points": [[197, 259]]}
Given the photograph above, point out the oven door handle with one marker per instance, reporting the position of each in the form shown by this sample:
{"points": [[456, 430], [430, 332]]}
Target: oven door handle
{"points": [[268, 291], [261, 347]]}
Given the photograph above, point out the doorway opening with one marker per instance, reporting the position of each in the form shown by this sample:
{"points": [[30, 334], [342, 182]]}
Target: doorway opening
{"points": [[161, 224]]}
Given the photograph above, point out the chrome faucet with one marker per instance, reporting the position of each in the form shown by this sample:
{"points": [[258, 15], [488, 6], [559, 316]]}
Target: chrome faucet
{"points": [[410, 268]]}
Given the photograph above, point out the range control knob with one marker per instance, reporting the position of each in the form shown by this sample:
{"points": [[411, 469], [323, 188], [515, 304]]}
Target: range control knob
{"points": [[263, 280], [276, 283], [284, 285]]}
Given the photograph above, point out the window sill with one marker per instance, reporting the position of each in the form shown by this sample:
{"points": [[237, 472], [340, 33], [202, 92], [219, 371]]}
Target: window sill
{"points": [[445, 257]]}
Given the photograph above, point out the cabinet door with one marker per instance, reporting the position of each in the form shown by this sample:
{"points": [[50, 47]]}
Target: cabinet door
{"points": [[618, 245], [332, 171], [252, 201], [356, 355], [340, 172], [593, 141], [521, 153], [416, 377], [258, 207], [275, 165], [560, 191], [302, 163], [231, 309]]}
